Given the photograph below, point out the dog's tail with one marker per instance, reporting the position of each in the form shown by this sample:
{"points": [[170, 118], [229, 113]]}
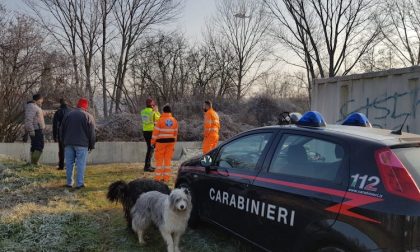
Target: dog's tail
{"points": [[117, 191]]}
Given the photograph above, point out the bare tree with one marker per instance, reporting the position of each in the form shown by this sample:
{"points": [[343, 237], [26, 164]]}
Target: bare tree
{"points": [[26, 67], [329, 37], [63, 28], [76, 26], [284, 85], [134, 18], [223, 58], [244, 23], [380, 57], [401, 29], [203, 69], [16, 39], [167, 70], [140, 66], [106, 8], [88, 19]]}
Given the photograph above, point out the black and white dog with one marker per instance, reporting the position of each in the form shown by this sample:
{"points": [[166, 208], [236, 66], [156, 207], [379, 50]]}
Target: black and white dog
{"points": [[170, 213], [127, 194]]}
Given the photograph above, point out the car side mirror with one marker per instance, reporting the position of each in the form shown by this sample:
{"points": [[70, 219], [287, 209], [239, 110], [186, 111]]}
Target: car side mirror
{"points": [[206, 161]]}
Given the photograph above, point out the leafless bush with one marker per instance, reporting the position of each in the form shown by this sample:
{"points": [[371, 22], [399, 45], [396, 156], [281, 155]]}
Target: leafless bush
{"points": [[120, 127], [27, 67]]}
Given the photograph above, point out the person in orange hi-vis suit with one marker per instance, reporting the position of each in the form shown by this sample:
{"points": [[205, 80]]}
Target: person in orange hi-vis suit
{"points": [[164, 139], [211, 127]]}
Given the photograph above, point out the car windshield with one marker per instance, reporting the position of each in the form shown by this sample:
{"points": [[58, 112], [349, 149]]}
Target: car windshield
{"points": [[244, 152], [410, 157]]}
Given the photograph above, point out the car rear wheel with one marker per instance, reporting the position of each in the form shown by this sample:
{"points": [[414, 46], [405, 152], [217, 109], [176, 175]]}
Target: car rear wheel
{"points": [[194, 217]]}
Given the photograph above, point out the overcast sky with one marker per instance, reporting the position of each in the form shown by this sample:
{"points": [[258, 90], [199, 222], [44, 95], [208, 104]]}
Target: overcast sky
{"points": [[191, 22]]}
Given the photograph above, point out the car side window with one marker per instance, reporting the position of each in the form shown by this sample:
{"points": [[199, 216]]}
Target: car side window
{"points": [[243, 153], [307, 157]]}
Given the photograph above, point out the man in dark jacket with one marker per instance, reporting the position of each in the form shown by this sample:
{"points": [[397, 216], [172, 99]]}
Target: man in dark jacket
{"points": [[57, 120], [78, 136]]}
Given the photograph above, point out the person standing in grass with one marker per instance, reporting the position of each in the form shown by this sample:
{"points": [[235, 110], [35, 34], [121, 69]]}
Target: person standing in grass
{"points": [[57, 120], [149, 116], [34, 126], [211, 127], [78, 136], [164, 139]]}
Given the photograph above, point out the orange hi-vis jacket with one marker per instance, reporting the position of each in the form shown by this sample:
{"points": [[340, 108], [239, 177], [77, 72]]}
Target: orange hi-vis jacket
{"points": [[211, 123], [166, 129]]}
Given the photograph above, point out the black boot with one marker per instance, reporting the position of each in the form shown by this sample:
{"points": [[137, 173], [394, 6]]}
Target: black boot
{"points": [[148, 168]]}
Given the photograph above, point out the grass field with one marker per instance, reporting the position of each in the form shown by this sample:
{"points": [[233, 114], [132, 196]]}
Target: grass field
{"points": [[38, 214]]}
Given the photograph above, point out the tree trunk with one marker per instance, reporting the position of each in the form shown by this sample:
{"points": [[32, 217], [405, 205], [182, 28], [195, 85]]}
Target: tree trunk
{"points": [[75, 68], [104, 95], [239, 84], [123, 71], [89, 89], [117, 85]]}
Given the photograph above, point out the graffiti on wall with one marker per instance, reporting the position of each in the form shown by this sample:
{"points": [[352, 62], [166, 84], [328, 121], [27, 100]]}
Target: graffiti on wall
{"points": [[382, 108]]}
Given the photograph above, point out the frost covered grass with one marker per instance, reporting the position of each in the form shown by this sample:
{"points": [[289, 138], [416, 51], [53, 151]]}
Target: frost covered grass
{"points": [[37, 213]]}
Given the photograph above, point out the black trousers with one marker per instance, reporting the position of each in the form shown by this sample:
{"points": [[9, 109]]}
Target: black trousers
{"points": [[37, 141], [60, 155], [148, 138]]}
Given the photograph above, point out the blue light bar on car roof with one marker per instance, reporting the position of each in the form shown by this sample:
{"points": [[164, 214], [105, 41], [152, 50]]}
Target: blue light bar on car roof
{"points": [[312, 119], [295, 117], [357, 119]]}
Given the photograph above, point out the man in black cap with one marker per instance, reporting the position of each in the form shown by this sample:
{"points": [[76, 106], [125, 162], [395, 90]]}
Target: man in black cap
{"points": [[57, 120], [34, 126]]}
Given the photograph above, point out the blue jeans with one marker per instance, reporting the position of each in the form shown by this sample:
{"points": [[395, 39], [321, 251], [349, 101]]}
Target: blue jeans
{"points": [[78, 155]]}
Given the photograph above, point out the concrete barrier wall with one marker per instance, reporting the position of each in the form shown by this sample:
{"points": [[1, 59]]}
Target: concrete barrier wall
{"points": [[105, 152]]}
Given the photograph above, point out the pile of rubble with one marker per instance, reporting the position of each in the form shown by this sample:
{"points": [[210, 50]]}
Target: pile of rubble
{"points": [[120, 127], [127, 127]]}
